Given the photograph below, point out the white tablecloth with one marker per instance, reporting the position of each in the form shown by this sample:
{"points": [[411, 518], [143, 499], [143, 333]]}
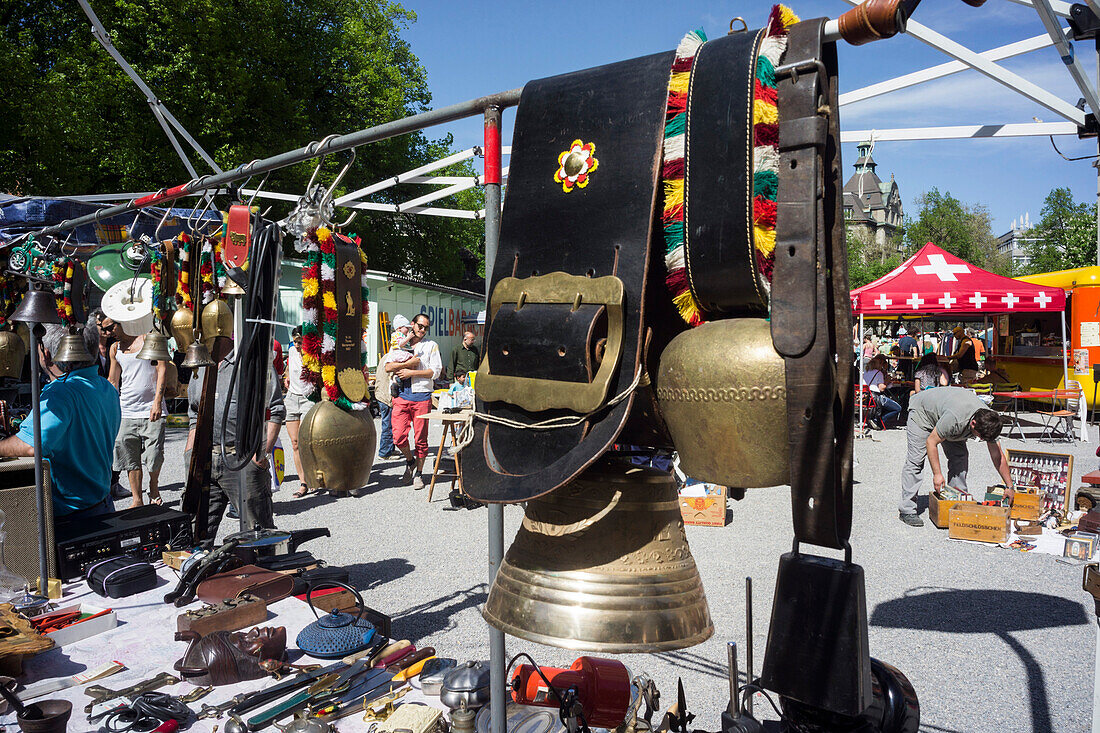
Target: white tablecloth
{"points": [[144, 642]]}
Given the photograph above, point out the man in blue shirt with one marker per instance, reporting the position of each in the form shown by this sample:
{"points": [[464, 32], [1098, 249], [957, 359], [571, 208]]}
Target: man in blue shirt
{"points": [[80, 419]]}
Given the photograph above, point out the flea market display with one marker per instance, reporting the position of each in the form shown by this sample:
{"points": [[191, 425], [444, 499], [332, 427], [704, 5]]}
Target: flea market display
{"points": [[621, 283]]}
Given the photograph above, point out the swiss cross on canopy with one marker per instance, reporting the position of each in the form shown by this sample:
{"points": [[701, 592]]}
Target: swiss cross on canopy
{"points": [[934, 281]]}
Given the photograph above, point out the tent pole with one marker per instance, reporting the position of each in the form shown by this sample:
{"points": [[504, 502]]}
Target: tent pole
{"points": [[1065, 359], [860, 359]]}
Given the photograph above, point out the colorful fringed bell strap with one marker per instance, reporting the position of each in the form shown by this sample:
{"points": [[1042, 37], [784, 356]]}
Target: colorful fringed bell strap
{"points": [[765, 122], [320, 317]]}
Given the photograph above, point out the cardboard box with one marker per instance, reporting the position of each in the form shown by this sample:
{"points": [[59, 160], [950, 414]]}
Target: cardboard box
{"points": [[1026, 506], [84, 629], [174, 559], [705, 511], [978, 522], [939, 508]]}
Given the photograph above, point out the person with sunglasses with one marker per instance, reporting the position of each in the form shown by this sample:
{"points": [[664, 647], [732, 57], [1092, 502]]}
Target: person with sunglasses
{"points": [[421, 370]]}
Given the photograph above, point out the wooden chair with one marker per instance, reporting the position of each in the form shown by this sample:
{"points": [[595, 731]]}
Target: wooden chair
{"points": [[1059, 422]]}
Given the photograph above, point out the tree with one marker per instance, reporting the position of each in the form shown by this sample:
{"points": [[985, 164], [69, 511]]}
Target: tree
{"points": [[1065, 236], [964, 231], [867, 263], [248, 78]]}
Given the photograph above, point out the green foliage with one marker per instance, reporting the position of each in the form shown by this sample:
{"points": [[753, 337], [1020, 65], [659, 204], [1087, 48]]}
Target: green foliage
{"points": [[963, 230], [1065, 236], [247, 78], [866, 262]]}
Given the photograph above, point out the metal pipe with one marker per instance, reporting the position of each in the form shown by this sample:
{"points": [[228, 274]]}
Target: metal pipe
{"points": [[40, 497], [497, 654], [733, 709], [313, 150], [748, 634]]}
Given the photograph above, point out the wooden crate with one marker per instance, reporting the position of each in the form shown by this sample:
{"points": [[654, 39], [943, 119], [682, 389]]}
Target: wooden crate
{"points": [[939, 508], [978, 522], [1026, 506]]}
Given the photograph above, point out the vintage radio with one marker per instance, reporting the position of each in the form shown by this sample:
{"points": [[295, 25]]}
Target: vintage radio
{"points": [[144, 531]]}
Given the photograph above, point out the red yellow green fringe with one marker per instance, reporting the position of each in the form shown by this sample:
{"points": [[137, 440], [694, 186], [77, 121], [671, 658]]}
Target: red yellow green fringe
{"points": [[765, 159], [183, 277], [64, 269], [319, 316]]}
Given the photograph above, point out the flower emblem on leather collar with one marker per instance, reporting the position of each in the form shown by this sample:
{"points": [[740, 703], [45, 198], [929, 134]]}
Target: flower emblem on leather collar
{"points": [[575, 165]]}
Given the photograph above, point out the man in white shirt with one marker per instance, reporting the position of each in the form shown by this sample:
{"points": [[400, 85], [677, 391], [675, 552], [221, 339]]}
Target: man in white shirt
{"points": [[422, 369]]}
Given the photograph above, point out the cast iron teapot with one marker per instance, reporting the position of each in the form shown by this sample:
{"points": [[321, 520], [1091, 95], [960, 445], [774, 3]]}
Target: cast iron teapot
{"points": [[336, 635]]}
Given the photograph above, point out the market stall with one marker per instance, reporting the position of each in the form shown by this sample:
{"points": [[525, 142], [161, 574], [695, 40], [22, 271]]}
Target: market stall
{"points": [[936, 284]]}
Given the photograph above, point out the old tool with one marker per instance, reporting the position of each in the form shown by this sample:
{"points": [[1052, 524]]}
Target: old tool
{"points": [[279, 669], [356, 697], [251, 700], [196, 694], [100, 694], [382, 708], [304, 724], [216, 711], [326, 684]]}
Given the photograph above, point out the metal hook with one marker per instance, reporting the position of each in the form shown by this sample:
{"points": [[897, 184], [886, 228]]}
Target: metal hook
{"points": [[744, 25], [160, 224], [257, 190], [327, 198], [313, 148]]}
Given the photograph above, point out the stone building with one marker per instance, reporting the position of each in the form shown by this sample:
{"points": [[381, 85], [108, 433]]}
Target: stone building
{"points": [[871, 207]]}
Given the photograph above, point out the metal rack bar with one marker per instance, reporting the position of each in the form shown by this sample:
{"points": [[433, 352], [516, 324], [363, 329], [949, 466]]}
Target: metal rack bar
{"points": [[313, 150]]}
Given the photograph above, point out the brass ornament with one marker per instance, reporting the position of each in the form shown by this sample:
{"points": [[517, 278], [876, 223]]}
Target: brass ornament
{"points": [[12, 353], [337, 447], [576, 165], [181, 328], [602, 564], [349, 270], [217, 320], [197, 355], [722, 391], [353, 384]]}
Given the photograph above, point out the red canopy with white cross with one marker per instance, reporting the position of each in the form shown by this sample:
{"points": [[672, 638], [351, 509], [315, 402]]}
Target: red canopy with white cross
{"points": [[935, 282]]}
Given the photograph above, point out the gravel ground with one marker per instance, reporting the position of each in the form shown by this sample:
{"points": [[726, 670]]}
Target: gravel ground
{"points": [[992, 639]]}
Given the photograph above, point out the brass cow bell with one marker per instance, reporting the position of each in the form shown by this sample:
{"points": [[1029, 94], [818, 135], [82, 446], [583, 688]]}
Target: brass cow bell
{"points": [[337, 447], [72, 349], [602, 564], [217, 320], [723, 394], [155, 347], [198, 355], [37, 306], [182, 328], [12, 353]]}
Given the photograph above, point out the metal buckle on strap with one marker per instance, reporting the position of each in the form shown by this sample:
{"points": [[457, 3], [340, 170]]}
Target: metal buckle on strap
{"points": [[536, 395]]}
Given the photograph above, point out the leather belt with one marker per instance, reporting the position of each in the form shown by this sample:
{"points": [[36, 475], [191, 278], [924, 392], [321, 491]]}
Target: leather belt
{"points": [[811, 314], [566, 326]]}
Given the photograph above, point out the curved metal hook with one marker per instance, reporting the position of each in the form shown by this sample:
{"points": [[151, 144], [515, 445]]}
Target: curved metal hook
{"points": [[160, 224]]}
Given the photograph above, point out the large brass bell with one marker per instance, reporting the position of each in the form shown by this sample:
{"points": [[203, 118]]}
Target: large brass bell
{"points": [[723, 394], [155, 347], [337, 447], [602, 564], [37, 306], [12, 353], [72, 349], [182, 329], [217, 320]]}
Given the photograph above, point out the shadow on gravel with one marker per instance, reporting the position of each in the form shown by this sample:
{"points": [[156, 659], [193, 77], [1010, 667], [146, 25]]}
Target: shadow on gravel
{"points": [[693, 663], [436, 615], [999, 612], [369, 575]]}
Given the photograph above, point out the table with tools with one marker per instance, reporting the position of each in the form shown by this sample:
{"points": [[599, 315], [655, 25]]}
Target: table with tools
{"points": [[143, 644]]}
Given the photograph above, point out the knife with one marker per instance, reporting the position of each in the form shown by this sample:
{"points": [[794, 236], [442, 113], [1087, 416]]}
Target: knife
{"points": [[411, 659], [327, 684]]}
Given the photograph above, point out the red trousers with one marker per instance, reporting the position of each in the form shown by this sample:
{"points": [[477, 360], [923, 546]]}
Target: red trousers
{"points": [[403, 416]]}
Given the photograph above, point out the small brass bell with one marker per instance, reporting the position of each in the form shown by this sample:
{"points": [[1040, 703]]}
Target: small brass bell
{"points": [[72, 349], [155, 347], [723, 394], [182, 330], [12, 353], [602, 564], [232, 288], [337, 447], [37, 306], [217, 320], [198, 355]]}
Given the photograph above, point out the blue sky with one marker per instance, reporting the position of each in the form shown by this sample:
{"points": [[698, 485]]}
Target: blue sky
{"points": [[471, 48]]}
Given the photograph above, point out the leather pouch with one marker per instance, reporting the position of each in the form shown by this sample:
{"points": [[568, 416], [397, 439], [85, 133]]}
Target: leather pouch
{"points": [[318, 576], [226, 658], [266, 584], [229, 615]]}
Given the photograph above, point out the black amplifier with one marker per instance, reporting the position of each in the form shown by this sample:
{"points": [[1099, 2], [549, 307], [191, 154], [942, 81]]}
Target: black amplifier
{"points": [[143, 531]]}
